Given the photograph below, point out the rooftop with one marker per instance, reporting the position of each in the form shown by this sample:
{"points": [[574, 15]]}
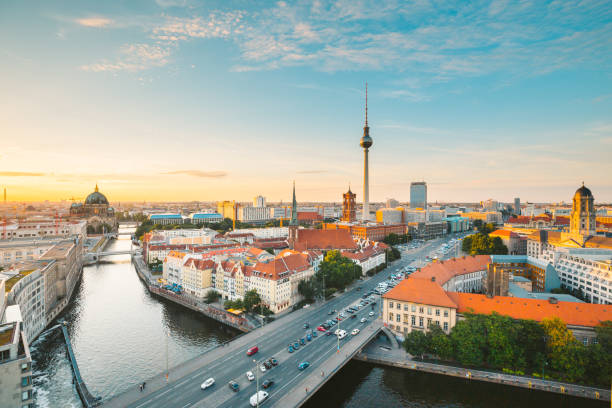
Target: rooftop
{"points": [[6, 333], [419, 290], [444, 271], [10, 282], [59, 250]]}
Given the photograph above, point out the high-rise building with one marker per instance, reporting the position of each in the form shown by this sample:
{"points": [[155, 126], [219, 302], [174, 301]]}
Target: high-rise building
{"points": [[392, 203], [227, 209], [517, 206], [418, 194], [348, 206], [259, 201], [366, 143]]}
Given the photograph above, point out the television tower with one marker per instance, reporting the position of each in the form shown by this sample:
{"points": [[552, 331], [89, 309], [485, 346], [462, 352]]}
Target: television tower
{"points": [[366, 143]]}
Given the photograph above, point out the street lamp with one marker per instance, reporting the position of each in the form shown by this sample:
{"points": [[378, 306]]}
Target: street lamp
{"points": [[257, 380]]}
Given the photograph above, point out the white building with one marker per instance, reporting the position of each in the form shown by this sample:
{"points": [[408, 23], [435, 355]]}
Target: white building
{"points": [[587, 270], [368, 257], [254, 214], [265, 233], [259, 201]]}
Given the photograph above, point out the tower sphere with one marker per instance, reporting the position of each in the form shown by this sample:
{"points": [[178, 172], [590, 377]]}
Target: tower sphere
{"points": [[366, 141]]}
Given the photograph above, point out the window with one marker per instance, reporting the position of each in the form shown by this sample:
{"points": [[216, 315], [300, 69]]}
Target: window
{"points": [[445, 326], [397, 317], [429, 311], [405, 330], [391, 316], [413, 308], [406, 318], [421, 309], [413, 320], [420, 322], [399, 307], [446, 313], [390, 304], [437, 312], [428, 321], [25, 381], [405, 308], [26, 395]]}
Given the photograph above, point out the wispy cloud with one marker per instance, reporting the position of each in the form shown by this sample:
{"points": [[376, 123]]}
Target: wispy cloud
{"points": [[198, 173], [133, 57], [20, 174], [97, 22]]}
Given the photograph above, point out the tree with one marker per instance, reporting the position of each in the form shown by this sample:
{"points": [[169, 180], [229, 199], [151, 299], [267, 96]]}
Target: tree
{"points": [[212, 296], [438, 343], [416, 343], [306, 288], [567, 356], [482, 244], [468, 339], [251, 298], [466, 244], [337, 270]]}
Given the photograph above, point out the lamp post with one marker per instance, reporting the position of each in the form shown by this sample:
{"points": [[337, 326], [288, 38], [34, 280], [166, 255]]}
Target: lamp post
{"points": [[257, 380], [338, 335]]}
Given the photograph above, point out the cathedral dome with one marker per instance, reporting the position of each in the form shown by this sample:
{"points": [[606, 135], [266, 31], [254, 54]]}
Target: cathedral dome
{"points": [[583, 192], [96, 198]]}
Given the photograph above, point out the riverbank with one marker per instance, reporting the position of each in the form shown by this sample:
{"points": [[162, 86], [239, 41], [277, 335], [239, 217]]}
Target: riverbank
{"points": [[220, 315], [398, 358]]}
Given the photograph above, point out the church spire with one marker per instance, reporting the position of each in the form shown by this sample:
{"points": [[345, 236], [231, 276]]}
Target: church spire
{"points": [[294, 220], [96, 188]]}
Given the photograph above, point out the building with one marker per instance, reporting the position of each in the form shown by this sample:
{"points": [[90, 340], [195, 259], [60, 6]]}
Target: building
{"points": [[254, 215], [418, 194], [96, 209], [463, 274], [517, 206], [372, 232], [166, 219], [490, 205], [265, 233], [416, 304], [366, 143], [348, 206], [488, 217], [43, 228], [369, 256], [586, 271], [323, 240], [457, 224], [25, 249], [390, 216], [197, 276], [201, 218], [516, 244], [259, 201], [392, 203], [541, 273], [15, 361], [227, 209]]}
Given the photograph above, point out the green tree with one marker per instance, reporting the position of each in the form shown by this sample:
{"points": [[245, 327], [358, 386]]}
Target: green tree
{"points": [[466, 244], [251, 298], [337, 270], [212, 296], [438, 343], [566, 355], [416, 343], [306, 288], [468, 339]]}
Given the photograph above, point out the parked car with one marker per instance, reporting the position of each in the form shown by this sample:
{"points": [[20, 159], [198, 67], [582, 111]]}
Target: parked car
{"points": [[328, 333], [267, 364], [308, 337], [306, 325], [296, 345], [208, 383], [234, 386], [353, 316], [250, 376], [262, 368], [268, 383], [321, 328], [273, 361], [252, 351], [302, 341], [314, 334], [303, 365], [290, 349]]}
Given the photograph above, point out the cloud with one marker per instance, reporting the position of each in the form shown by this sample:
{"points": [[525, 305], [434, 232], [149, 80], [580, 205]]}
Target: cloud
{"points": [[97, 22], [134, 57], [20, 174], [198, 173]]}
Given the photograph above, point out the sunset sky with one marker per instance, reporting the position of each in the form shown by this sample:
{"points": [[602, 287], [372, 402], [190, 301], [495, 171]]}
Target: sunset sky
{"points": [[212, 100]]}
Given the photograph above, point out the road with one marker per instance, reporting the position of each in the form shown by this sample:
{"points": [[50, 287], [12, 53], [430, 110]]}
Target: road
{"points": [[185, 391]]}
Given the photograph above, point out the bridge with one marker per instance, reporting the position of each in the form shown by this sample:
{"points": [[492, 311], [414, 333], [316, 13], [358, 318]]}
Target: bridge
{"points": [[120, 252], [180, 386]]}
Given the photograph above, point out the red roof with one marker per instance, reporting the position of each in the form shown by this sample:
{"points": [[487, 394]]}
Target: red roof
{"points": [[423, 291], [201, 264], [364, 253], [572, 313], [502, 233], [324, 239], [309, 216], [443, 271], [281, 267]]}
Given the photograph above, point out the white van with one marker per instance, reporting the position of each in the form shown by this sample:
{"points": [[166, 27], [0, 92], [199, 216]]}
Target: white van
{"points": [[261, 396], [341, 334]]}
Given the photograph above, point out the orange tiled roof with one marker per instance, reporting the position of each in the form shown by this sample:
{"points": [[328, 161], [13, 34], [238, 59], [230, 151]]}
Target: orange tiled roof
{"points": [[443, 271], [419, 290], [324, 239], [309, 216], [502, 233], [599, 242], [281, 266], [200, 264], [574, 314]]}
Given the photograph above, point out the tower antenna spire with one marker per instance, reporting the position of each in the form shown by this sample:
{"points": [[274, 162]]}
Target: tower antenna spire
{"points": [[366, 105]]}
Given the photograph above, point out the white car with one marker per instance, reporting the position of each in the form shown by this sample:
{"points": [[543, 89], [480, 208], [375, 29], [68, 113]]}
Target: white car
{"points": [[258, 398], [371, 314], [250, 376], [363, 320], [262, 368], [341, 334], [355, 332], [208, 383]]}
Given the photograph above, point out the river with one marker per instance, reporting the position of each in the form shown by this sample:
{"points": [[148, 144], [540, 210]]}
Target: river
{"points": [[119, 335]]}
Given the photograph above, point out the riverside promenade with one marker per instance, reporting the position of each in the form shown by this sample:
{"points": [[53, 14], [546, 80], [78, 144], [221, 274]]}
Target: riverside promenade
{"points": [[221, 315], [378, 354]]}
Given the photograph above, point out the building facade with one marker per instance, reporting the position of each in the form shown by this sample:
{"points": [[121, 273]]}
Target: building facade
{"points": [[348, 206], [418, 194]]}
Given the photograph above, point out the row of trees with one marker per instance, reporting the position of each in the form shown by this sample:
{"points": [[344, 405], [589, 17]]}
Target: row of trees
{"points": [[547, 349], [250, 303], [483, 227], [394, 239], [483, 244]]}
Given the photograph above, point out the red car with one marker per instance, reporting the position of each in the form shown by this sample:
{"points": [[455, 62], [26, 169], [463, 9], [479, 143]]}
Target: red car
{"points": [[252, 351], [321, 328]]}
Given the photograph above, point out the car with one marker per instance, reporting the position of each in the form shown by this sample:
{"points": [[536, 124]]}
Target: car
{"points": [[208, 383], [234, 386], [267, 364], [321, 328], [302, 341], [303, 365], [306, 325], [339, 319], [290, 349], [273, 361], [363, 320], [314, 334], [371, 314], [268, 383], [331, 312], [250, 376], [328, 333], [257, 398], [252, 351], [341, 334], [373, 303], [353, 316], [341, 315], [308, 337], [296, 345], [262, 368], [355, 332]]}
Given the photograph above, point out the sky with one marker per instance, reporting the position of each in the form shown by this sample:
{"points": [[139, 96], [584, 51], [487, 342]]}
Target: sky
{"points": [[172, 100]]}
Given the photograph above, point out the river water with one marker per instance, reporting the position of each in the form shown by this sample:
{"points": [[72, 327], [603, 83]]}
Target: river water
{"points": [[119, 333]]}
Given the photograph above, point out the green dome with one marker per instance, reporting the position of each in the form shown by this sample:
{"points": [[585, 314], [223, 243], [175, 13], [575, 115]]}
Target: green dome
{"points": [[96, 198]]}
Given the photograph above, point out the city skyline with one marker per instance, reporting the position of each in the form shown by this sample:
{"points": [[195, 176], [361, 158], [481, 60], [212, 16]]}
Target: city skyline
{"points": [[181, 100]]}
